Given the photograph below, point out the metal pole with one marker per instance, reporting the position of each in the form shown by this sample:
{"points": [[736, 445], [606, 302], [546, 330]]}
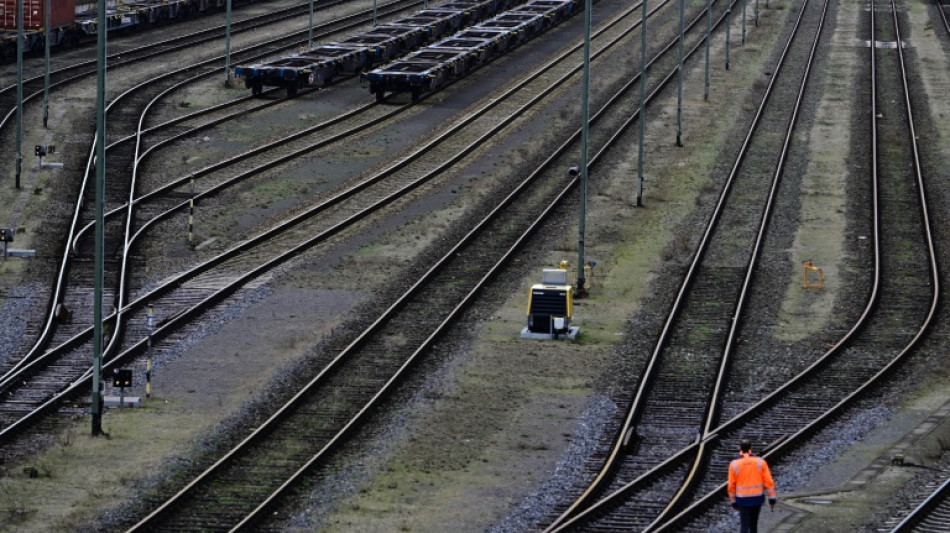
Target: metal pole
{"points": [[708, 37], [728, 28], [310, 31], [743, 21], [374, 13], [227, 47], [756, 13], [150, 314], [679, 89], [585, 119], [18, 157], [191, 212], [46, 38], [100, 223], [643, 99]]}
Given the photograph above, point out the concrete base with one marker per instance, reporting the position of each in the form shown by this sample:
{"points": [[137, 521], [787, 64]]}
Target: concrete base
{"points": [[128, 401], [13, 252], [571, 334]]}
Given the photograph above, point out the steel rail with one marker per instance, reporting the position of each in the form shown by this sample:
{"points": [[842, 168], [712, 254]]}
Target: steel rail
{"points": [[265, 427], [16, 426], [405, 161], [148, 52], [60, 284], [265, 506], [25, 368], [825, 418], [156, 193], [130, 239], [925, 511], [923, 204], [13, 374], [717, 396], [638, 404], [215, 32], [811, 369], [942, 9], [336, 138]]}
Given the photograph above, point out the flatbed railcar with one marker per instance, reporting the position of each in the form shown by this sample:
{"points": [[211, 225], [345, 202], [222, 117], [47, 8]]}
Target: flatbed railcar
{"points": [[321, 64], [435, 65], [74, 21], [438, 64]]}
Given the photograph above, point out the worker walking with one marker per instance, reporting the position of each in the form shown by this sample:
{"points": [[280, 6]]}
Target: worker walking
{"points": [[749, 481]]}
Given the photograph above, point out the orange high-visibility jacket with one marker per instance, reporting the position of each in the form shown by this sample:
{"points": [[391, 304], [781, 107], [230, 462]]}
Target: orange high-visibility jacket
{"points": [[749, 479]]}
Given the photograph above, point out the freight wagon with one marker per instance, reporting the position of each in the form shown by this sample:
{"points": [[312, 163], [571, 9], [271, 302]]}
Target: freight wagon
{"points": [[321, 64], [73, 21], [438, 64]]}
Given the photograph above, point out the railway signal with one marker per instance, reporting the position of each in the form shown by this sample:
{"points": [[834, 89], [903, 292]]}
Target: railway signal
{"points": [[6, 235], [122, 378], [41, 151]]}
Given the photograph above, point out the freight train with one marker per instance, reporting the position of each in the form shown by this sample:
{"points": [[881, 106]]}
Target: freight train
{"points": [[322, 63], [72, 21], [436, 65]]}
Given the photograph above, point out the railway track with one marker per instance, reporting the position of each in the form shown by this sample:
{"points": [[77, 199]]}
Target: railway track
{"points": [[64, 75], [208, 282], [16, 384], [943, 9], [262, 50], [931, 515], [84, 266], [186, 509], [187, 303], [898, 315], [682, 386], [72, 292]]}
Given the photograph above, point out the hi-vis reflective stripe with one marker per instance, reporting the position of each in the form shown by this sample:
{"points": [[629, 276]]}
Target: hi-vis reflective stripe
{"points": [[735, 466], [749, 478]]}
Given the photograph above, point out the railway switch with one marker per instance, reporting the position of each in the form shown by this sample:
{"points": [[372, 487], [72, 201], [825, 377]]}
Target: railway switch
{"points": [[6, 235]]}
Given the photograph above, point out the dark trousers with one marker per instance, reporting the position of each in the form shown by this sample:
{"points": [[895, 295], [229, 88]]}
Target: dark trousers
{"points": [[749, 519]]}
